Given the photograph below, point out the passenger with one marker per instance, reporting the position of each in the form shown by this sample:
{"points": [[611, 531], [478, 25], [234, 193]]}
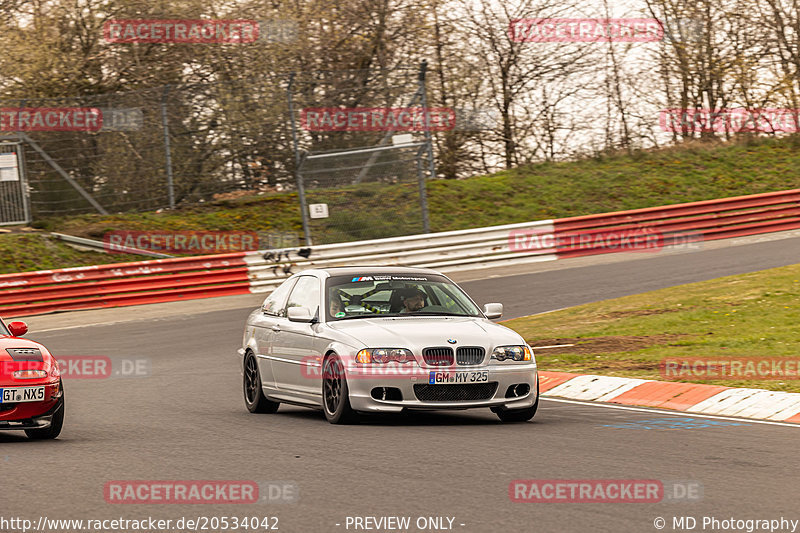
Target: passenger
{"points": [[335, 304]]}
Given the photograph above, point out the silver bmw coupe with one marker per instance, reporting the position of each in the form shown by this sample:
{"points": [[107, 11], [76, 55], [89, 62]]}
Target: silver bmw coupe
{"points": [[383, 340]]}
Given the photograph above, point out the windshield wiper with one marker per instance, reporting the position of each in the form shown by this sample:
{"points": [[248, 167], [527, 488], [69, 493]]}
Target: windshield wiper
{"points": [[430, 313], [361, 316]]}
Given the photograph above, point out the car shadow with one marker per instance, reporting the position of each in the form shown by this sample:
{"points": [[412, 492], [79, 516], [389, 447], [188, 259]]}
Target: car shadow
{"points": [[11, 437], [409, 418], [432, 418]]}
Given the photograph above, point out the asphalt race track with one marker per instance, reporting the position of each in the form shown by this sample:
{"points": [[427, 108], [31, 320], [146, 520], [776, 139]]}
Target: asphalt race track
{"points": [[185, 420]]}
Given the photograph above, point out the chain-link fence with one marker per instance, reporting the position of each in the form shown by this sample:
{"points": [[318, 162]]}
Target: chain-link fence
{"points": [[14, 199], [364, 152], [181, 145], [152, 149], [367, 193]]}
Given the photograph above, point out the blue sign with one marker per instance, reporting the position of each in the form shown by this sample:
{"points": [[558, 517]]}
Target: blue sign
{"points": [[673, 423]]}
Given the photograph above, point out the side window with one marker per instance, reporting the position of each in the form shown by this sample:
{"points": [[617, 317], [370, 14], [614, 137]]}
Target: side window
{"points": [[305, 294], [273, 305]]}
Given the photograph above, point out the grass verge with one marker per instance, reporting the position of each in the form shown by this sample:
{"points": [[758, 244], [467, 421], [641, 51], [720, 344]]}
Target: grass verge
{"points": [[693, 172], [752, 316], [25, 252]]}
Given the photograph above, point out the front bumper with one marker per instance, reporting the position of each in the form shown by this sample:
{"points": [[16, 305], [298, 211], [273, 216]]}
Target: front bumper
{"points": [[36, 415], [361, 382]]}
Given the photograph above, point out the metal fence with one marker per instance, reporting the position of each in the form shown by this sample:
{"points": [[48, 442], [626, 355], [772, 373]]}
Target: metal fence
{"points": [[156, 148], [188, 145], [358, 181], [365, 193], [14, 199]]}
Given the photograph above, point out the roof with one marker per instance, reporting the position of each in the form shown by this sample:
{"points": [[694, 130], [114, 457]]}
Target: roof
{"points": [[366, 270]]}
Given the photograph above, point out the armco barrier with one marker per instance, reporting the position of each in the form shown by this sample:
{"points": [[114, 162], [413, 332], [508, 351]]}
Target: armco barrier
{"points": [[702, 221], [162, 280], [638, 230], [122, 284], [447, 251]]}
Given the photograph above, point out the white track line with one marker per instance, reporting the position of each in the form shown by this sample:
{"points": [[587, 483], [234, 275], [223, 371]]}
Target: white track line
{"points": [[91, 325], [552, 346], [674, 413]]}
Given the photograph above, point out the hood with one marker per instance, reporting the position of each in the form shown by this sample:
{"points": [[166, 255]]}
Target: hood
{"points": [[416, 333], [8, 364]]}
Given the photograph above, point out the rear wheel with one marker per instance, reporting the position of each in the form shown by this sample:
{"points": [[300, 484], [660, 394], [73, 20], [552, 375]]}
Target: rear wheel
{"points": [[254, 397], [335, 393], [55, 426], [516, 415]]}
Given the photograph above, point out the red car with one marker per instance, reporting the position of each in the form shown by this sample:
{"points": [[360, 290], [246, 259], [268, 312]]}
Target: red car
{"points": [[31, 394]]}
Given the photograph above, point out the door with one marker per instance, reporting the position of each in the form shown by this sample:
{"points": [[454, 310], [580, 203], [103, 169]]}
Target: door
{"points": [[294, 356], [266, 325]]}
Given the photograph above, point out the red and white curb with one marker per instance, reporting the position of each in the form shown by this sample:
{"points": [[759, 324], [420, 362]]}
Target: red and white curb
{"points": [[758, 404]]}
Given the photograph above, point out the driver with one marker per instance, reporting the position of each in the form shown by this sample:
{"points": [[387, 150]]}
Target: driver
{"points": [[413, 300]]}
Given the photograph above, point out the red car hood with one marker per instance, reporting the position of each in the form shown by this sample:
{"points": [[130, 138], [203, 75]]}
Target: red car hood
{"points": [[8, 365]]}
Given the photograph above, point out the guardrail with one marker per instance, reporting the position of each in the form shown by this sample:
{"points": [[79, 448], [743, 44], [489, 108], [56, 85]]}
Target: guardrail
{"points": [[101, 246], [447, 251], [697, 221], [123, 284], [637, 230]]}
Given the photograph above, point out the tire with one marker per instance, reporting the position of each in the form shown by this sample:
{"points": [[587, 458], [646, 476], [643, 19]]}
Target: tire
{"points": [[517, 415], [336, 393], [54, 430], [254, 397]]}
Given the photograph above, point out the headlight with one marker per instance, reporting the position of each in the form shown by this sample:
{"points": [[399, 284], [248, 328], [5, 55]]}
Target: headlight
{"points": [[385, 355], [512, 353], [30, 374]]}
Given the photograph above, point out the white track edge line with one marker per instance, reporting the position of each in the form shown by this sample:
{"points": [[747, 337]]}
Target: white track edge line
{"points": [[665, 412]]}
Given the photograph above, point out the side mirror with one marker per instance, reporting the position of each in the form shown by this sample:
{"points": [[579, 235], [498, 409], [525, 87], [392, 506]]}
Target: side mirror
{"points": [[18, 329], [299, 314], [493, 310]]}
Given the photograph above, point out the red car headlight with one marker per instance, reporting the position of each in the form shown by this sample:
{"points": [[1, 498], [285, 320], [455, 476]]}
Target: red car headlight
{"points": [[29, 374]]}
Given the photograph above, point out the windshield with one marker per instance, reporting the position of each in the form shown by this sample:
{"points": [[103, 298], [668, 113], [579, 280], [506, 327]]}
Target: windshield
{"points": [[3, 330], [387, 295]]}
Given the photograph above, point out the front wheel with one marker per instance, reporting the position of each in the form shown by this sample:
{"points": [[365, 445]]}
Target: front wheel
{"points": [[335, 393], [254, 397], [516, 415], [55, 426]]}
